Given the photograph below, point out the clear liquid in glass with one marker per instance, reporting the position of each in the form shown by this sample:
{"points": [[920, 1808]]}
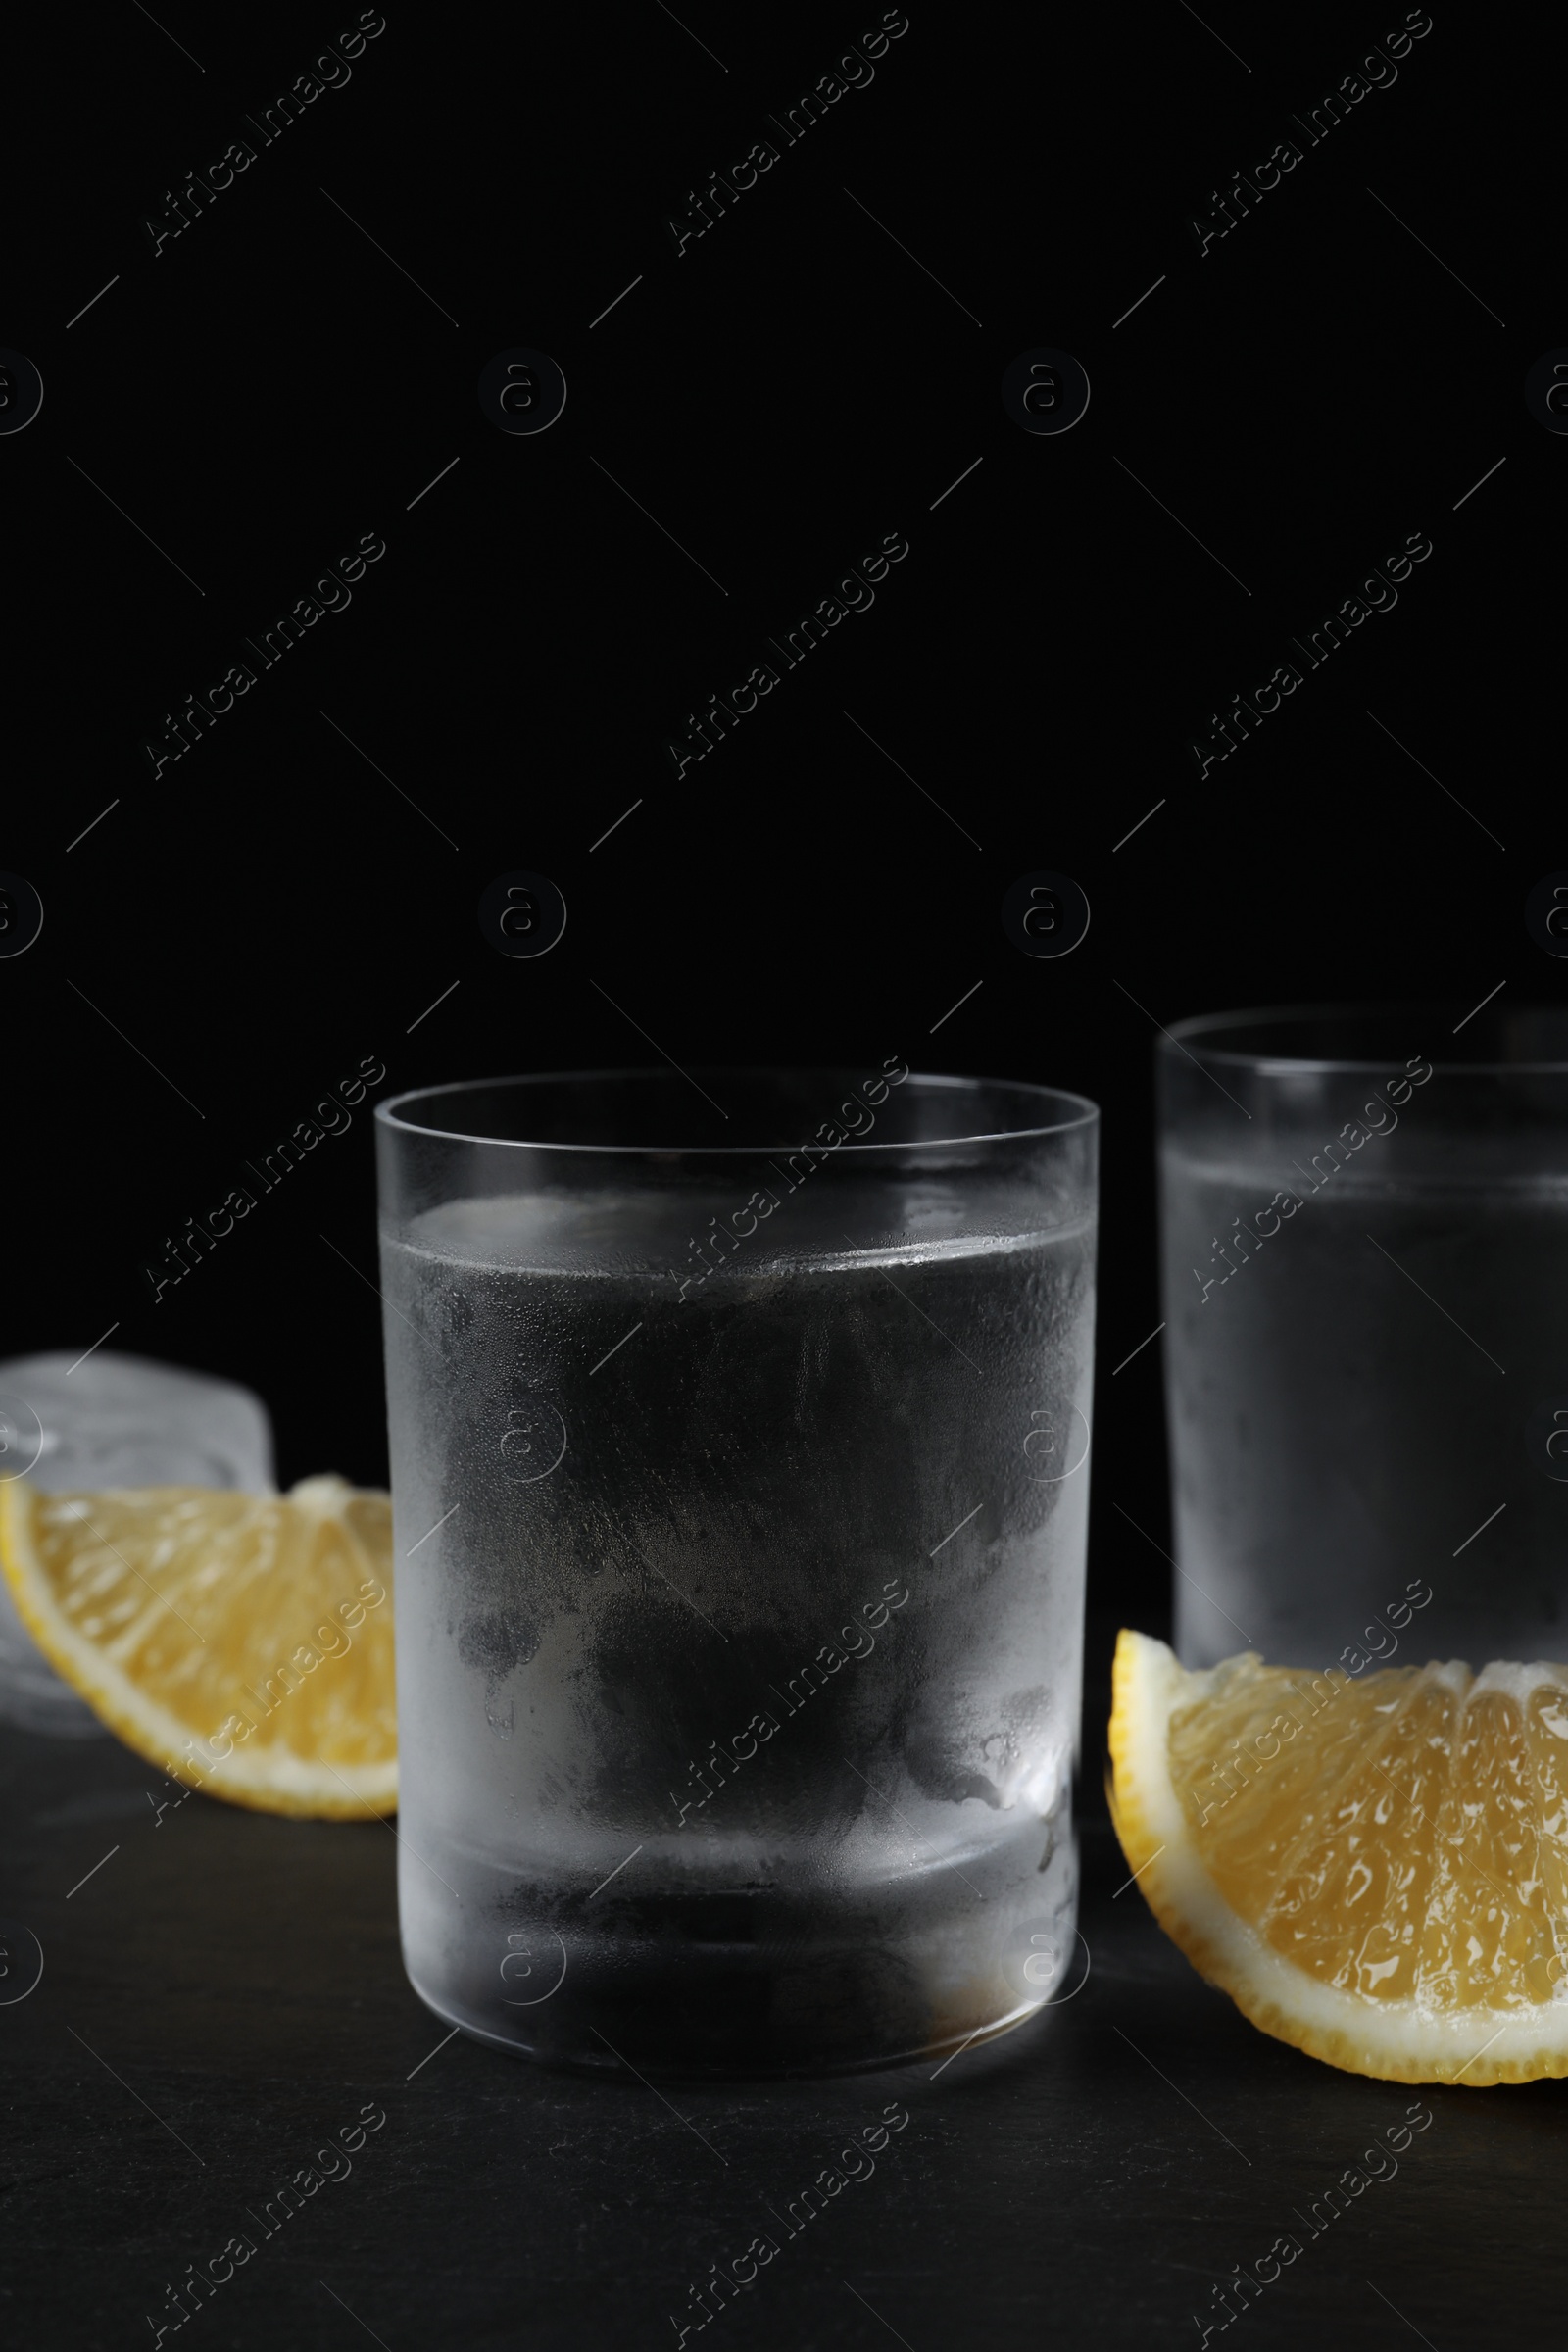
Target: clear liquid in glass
{"points": [[739, 1629]]}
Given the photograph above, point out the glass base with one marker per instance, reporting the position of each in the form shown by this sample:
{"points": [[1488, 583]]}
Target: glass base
{"points": [[755, 1982], [742, 2070]]}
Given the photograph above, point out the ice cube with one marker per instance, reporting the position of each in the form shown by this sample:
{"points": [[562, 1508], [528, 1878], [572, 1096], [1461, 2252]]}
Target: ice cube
{"points": [[110, 1420]]}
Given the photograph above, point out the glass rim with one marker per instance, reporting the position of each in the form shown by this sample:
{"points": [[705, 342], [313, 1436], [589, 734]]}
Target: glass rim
{"points": [[1276, 1063], [1083, 1115]]}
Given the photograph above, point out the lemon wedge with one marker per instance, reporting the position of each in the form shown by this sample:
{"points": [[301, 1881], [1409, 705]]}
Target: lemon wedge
{"points": [[1376, 1870], [241, 1642]]}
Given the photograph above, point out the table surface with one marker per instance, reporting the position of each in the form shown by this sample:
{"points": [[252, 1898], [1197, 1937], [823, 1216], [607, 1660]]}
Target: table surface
{"points": [[224, 1995]]}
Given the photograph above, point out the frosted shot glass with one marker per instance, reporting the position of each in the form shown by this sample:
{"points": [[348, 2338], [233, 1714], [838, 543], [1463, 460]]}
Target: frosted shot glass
{"points": [[1364, 1238], [739, 1433]]}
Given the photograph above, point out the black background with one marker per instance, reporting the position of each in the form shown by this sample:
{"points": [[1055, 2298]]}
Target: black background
{"points": [[270, 909]]}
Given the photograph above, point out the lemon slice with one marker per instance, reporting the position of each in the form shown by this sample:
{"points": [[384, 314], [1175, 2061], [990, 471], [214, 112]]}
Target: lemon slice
{"points": [[1375, 1870], [241, 1642]]}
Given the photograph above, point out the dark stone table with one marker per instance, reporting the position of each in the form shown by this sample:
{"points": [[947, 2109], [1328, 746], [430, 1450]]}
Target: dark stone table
{"points": [[222, 2000]]}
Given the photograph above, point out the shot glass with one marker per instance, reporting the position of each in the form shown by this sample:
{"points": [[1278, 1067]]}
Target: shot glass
{"points": [[1364, 1231], [740, 1497]]}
